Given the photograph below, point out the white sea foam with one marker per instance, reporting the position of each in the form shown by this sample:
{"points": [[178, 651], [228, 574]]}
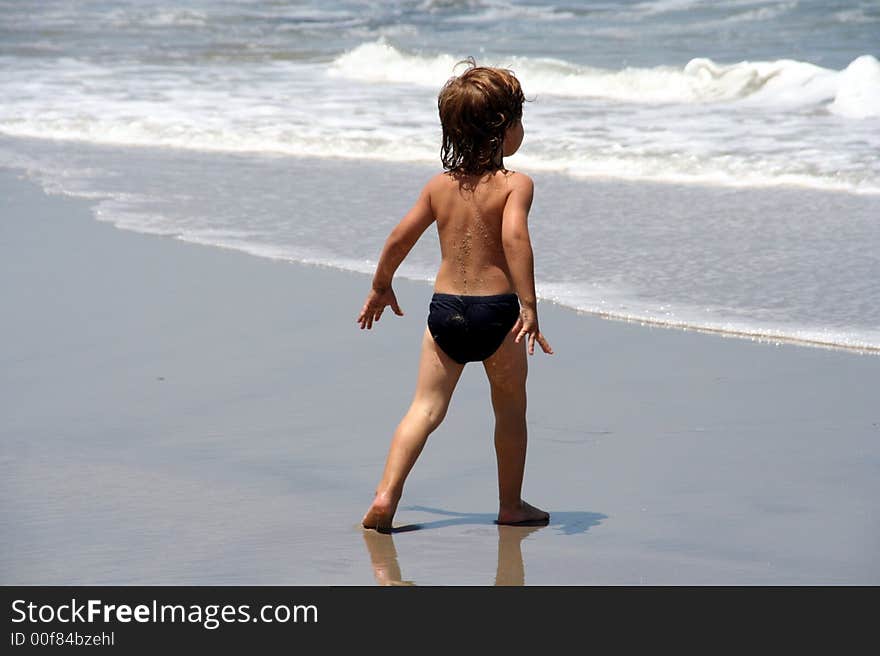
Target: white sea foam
{"points": [[620, 304], [858, 94], [379, 61], [700, 80], [784, 82]]}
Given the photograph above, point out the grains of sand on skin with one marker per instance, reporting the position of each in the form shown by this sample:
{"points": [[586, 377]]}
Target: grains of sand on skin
{"points": [[464, 251], [481, 224], [484, 231]]}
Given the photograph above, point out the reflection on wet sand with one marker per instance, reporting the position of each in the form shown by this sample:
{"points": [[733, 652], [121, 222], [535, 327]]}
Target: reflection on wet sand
{"points": [[383, 557], [510, 570]]}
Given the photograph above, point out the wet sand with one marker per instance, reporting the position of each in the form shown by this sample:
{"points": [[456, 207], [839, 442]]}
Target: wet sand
{"points": [[181, 414]]}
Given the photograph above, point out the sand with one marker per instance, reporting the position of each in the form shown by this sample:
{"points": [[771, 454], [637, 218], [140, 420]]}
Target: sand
{"points": [[181, 414]]}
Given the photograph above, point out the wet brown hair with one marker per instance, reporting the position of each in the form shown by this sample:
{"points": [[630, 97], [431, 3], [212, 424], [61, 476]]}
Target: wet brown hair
{"points": [[476, 108]]}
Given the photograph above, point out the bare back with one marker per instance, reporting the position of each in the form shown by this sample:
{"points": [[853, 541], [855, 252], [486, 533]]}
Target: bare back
{"points": [[469, 211]]}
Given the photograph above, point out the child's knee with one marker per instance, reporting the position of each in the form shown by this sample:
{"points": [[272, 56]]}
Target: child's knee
{"points": [[509, 394], [430, 413]]}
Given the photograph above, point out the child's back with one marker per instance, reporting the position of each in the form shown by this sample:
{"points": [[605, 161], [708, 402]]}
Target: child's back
{"points": [[469, 211]]}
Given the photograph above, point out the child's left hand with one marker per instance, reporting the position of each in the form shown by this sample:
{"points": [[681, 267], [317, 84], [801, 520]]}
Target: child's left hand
{"points": [[375, 305]]}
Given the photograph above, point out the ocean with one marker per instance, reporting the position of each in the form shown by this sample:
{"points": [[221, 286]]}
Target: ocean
{"points": [[711, 165]]}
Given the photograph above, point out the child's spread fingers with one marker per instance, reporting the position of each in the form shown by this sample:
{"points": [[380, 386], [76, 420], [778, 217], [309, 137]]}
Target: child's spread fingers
{"points": [[366, 311], [545, 344]]}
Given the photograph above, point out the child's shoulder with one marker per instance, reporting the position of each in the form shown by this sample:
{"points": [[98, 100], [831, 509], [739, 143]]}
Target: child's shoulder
{"points": [[439, 180], [520, 186], [517, 179]]}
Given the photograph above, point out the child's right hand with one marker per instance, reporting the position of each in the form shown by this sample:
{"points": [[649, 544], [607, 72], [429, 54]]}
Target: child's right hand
{"points": [[375, 305], [527, 325]]}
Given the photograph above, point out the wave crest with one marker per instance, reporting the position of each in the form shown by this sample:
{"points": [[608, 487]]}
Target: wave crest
{"points": [[858, 95], [701, 80]]}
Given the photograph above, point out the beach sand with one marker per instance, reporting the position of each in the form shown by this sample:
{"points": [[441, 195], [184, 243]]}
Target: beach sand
{"points": [[182, 414]]}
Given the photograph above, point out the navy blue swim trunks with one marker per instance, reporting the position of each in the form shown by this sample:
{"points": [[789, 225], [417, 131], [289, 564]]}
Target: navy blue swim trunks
{"points": [[471, 328]]}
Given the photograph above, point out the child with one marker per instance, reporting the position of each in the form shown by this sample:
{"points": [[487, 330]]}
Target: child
{"points": [[481, 210]]}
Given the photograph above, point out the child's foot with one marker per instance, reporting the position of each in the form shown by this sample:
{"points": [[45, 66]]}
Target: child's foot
{"points": [[522, 514], [381, 513]]}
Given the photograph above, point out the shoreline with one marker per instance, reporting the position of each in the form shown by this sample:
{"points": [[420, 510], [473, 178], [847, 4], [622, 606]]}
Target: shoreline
{"points": [[183, 414], [378, 193], [761, 338]]}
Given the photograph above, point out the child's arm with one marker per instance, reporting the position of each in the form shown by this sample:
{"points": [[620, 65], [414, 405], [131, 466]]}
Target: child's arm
{"points": [[520, 259], [398, 245]]}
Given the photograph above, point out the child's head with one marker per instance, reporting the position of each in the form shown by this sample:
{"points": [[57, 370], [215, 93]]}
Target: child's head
{"points": [[476, 110]]}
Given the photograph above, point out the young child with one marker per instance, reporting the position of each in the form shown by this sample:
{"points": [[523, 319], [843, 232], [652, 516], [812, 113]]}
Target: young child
{"points": [[484, 300]]}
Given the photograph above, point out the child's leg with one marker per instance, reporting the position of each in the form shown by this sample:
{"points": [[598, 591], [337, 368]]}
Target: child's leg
{"points": [[506, 370], [438, 376]]}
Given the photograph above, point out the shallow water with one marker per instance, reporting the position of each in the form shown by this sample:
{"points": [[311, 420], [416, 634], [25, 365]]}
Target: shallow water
{"points": [[704, 164]]}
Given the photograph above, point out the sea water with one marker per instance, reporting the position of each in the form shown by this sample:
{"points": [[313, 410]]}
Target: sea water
{"points": [[704, 164]]}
